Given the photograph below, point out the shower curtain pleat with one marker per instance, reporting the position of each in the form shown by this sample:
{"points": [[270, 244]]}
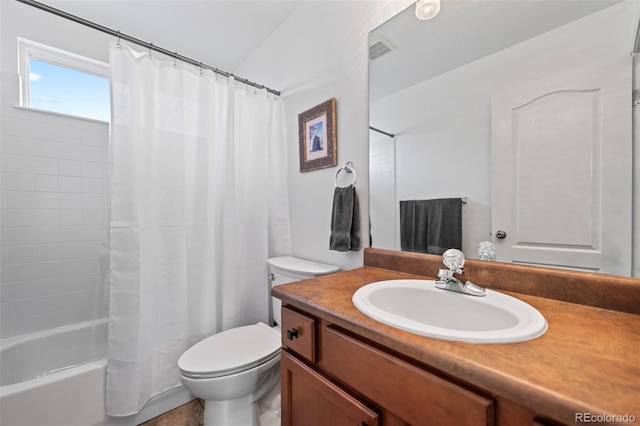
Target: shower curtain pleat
{"points": [[198, 203]]}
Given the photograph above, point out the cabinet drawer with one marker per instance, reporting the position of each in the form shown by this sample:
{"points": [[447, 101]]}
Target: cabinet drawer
{"points": [[299, 334], [309, 399], [413, 394]]}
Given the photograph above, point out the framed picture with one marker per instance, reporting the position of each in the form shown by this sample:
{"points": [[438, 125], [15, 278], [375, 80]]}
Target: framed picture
{"points": [[317, 132]]}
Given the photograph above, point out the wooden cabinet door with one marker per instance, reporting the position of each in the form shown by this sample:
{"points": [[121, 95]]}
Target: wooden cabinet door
{"points": [[311, 400]]}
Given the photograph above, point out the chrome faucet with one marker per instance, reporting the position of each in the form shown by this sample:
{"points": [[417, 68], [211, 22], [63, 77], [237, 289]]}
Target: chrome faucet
{"points": [[454, 260]]}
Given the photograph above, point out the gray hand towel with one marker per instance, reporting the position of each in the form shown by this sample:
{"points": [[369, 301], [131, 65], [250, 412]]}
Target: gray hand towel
{"points": [[413, 225], [444, 227], [345, 220], [431, 226]]}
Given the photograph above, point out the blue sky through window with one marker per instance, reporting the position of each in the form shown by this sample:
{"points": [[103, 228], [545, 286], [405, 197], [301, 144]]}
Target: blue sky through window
{"points": [[67, 91]]}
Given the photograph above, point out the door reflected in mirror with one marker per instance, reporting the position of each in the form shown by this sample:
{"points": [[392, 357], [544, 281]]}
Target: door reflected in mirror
{"points": [[523, 108]]}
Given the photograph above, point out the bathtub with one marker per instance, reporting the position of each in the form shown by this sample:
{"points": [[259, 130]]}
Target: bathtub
{"points": [[54, 377], [57, 378]]}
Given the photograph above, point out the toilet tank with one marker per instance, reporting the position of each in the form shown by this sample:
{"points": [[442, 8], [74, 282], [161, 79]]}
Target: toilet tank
{"points": [[287, 269]]}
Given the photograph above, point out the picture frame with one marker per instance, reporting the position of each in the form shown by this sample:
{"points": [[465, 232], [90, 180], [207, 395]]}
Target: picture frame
{"points": [[317, 134]]}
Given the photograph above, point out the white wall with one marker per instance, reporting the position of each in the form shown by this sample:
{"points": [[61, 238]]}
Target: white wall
{"points": [[443, 125], [54, 204], [321, 52]]}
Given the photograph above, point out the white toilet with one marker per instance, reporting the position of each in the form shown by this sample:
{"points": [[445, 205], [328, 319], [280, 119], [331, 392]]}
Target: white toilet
{"points": [[233, 369]]}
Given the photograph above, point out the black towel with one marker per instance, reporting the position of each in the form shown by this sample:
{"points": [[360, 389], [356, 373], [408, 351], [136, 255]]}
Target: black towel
{"points": [[444, 227], [345, 220], [431, 226], [413, 225]]}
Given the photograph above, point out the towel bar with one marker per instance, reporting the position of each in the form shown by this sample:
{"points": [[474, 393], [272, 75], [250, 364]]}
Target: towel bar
{"points": [[348, 167]]}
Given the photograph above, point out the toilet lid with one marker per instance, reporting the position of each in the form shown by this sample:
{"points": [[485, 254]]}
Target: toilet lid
{"points": [[231, 351], [301, 266]]}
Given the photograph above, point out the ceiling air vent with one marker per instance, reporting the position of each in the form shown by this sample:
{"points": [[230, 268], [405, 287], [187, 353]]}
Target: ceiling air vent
{"points": [[379, 48]]}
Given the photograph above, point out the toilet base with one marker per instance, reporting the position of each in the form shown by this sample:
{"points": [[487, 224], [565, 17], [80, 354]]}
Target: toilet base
{"points": [[237, 412], [245, 411], [232, 400]]}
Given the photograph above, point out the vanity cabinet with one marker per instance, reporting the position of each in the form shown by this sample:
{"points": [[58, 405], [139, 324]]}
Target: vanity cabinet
{"points": [[332, 377], [407, 379]]}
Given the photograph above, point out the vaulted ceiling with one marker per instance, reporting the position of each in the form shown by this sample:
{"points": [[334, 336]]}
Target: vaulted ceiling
{"points": [[218, 33]]}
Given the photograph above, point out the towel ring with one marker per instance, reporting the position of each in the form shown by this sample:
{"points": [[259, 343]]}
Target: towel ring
{"points": [[348, 167]]}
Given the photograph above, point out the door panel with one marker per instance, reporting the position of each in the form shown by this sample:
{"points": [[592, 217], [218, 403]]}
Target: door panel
{"points": [[561, 170]]}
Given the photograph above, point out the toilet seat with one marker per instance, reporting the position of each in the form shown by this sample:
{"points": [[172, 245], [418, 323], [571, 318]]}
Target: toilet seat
{"points": [[231, 351]]}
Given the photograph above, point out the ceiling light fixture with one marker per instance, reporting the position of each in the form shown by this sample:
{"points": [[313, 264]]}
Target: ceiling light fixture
{"points": [[427, 9]]}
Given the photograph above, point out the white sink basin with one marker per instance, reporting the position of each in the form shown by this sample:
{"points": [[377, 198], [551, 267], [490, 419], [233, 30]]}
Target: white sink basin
{"points": [[421, 308]]}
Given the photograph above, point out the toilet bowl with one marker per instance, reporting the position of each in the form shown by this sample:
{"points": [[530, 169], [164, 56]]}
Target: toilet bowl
{"points": [[233, 369]]}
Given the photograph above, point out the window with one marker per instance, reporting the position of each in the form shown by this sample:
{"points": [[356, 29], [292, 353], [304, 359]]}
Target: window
{"points": [[57, 81]]}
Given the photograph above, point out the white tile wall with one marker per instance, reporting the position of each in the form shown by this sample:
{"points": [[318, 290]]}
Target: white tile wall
{"points": [[54, 212]]}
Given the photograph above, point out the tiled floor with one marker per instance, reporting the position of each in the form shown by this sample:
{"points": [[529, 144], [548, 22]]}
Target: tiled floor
{"points": [[192, 413], [189, 414]]}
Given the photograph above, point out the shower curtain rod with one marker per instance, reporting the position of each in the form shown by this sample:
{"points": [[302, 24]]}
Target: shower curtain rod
{"points": [[391, 135], [149, 46]]}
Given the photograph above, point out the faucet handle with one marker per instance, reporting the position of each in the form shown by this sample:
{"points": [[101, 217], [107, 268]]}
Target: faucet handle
{"points": [[445, 274], [486, 251], [454, 260]]}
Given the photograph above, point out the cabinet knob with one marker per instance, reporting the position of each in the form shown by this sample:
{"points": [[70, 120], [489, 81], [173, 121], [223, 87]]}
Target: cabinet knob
{"points": [[292, 334]]}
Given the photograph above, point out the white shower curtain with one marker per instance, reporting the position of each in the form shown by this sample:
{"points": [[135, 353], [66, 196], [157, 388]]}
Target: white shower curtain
{"points": [[198, 203]]}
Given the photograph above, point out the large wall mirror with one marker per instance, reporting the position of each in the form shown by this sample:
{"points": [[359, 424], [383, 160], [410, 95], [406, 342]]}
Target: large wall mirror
{"points": [[523, 109]]}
